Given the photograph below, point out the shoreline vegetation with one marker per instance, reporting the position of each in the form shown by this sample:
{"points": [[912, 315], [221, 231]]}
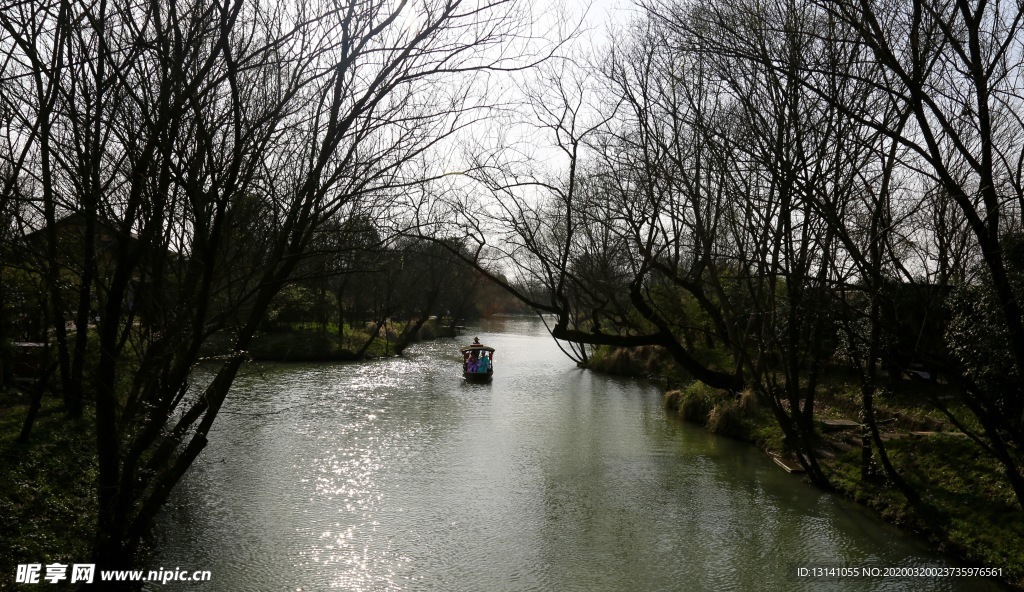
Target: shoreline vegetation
{"points": [[48, 506], [300, 342], [966, 509]]}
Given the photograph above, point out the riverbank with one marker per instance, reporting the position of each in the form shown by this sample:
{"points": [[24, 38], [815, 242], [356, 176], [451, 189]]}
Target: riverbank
{"points": [[311, 343], [47, 495], [966, 511]]}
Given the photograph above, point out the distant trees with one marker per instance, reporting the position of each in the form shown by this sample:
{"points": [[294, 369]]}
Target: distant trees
{"points": [[351, 275], [431, 283], [204, 148]]}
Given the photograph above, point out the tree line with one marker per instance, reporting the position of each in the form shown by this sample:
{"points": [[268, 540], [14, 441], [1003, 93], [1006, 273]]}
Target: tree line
{"points": [[352, 279]]}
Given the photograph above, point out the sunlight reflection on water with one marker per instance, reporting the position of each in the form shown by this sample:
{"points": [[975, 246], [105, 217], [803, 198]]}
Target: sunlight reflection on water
{"points": [[398, 475]]}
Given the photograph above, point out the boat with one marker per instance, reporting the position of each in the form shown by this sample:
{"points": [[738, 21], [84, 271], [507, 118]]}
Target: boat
{"points": [[477, 362]]}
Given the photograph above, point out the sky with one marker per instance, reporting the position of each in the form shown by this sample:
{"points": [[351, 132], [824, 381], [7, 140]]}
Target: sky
{"points": [[601, 11], [599, 15]]}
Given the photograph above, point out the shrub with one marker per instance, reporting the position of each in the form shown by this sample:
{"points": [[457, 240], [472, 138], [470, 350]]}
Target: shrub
{"points": [[693, 403], [727, 418]]}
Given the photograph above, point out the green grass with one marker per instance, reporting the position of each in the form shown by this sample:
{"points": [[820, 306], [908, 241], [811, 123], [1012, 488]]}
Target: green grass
{"points": [[966, 508], [47, 494], [728, 415], [650, 361]]}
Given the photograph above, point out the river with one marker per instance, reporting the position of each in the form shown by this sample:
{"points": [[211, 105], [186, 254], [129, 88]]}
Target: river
{"points": [[397, 475]]}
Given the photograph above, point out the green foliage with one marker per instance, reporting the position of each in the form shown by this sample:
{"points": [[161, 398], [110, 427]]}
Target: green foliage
{"points": [[21, 293], [298, 346], [616, 360], [967, 508], [739, 417], [726, 418], [694, 402], [979, 338], [47, 495], [734, 416], [295, 342], [767, 435], [292, 304], [652, 361]]}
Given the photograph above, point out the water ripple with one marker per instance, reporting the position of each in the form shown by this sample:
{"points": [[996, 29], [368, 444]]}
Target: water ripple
{"points": [[397, 475]]}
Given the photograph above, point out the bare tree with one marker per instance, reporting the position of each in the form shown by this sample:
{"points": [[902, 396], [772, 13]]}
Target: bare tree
{"points": [[201, 146], [954, 69]]}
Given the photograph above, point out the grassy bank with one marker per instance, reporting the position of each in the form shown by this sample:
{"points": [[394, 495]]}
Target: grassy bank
{"points": [[48, 493], [966, 510]]}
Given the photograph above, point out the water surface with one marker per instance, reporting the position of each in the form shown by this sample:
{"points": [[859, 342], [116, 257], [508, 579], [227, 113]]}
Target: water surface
{"points": [[398, 475]]}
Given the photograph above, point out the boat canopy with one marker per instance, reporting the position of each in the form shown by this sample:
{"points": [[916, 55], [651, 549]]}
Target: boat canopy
{"points": [[477, 347]]}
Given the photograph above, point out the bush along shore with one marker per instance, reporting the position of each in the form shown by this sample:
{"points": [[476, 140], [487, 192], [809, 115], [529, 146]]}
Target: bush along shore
{"points": [[966, 509], [300, 342]]}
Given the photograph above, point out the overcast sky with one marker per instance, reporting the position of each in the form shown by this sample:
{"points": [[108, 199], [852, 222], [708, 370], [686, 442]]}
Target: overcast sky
{"points": [[602, 12]]}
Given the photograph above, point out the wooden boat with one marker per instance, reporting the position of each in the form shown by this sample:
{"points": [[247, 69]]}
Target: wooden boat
{"points": [[477, 362]]}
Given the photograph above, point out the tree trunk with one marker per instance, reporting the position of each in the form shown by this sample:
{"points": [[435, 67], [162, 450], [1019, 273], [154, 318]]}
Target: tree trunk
{"points": [[366, 344], [408, 335]]}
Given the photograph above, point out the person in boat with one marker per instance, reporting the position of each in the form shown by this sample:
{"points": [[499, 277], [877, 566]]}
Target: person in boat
{"points": [[485, 363], [474, 363]]}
